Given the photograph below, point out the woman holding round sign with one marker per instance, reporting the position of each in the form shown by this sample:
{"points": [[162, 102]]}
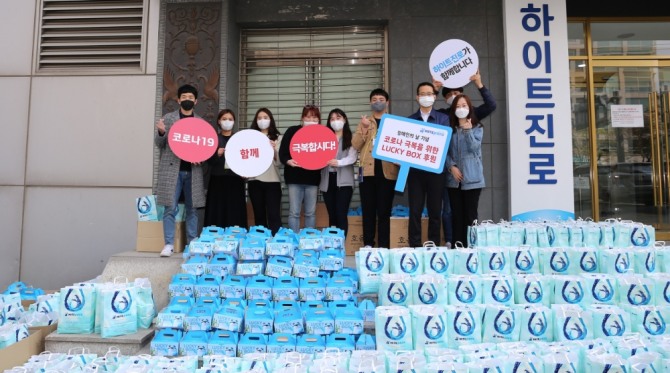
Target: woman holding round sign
{"points": [[305, 149], [337, 179], [226, 204]]}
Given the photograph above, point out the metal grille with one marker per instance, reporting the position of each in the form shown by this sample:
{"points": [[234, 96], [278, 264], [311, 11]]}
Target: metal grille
{"points": [[87, 35], [334, 67]]}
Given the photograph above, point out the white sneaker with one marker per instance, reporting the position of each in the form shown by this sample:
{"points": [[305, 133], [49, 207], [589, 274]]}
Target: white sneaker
{"points": [[167, 250]]}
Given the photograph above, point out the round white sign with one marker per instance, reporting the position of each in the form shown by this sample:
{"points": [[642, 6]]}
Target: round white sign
{"points": [[249, 153], [453, 62]]}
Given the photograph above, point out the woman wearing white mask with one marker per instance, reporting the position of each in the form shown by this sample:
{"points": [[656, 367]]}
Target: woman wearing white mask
{"points": [[226, 204], [465, 179], [337, 179], [265, 189]]}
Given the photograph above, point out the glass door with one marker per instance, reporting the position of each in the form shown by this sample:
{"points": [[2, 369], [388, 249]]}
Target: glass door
{"points": [[632, 122]]}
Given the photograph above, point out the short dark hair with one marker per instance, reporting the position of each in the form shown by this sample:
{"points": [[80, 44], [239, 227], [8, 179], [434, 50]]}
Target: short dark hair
{"points": [[422, 84], [379, 92], [445, 90], [187, 88], [311, 109]]}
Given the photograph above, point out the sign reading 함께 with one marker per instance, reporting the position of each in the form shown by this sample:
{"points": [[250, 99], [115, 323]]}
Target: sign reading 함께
{"points": [[453, 62], [249, 153], [313, 146], [193, 139]]}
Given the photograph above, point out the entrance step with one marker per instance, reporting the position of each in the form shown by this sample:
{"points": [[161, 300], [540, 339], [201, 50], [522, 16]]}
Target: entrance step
{"points": [[128, 345]]}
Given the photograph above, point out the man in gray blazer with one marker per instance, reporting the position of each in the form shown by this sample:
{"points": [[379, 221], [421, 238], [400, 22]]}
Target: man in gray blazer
{"points": [[176, 176]]}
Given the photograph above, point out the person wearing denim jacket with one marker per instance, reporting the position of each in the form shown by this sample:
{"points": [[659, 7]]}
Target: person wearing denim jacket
{"points": [[465, 176]]}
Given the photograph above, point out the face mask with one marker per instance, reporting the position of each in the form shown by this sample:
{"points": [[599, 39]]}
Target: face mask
{"points": [[337, 125], [187, 104], [309, 123], [426, 101], [450, 100], [378, 106], [263, 124], [462, 112], [227, 125]]}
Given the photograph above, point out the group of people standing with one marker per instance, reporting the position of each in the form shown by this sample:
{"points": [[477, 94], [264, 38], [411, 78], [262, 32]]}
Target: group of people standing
{"points": [[451, 197]]}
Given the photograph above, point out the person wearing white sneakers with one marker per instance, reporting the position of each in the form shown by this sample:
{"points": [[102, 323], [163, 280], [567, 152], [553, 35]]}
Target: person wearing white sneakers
{"points": [[176, 176]]}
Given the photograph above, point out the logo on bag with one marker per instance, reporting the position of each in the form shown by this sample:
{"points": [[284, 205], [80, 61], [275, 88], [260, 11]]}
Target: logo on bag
{"points": [[397, 293], [439, 262], [374, 264], [613, 325], [602, 290], [524, 260], [609, 368], [434, 328], [395, 328], [639, 236], [574, 328], [533, 292], [653, 323], [409, 263], [666, 292], [565, 368], [427, 293], [537, 324], [121, 301], [501, 291], [497, 262], [472, 264], [75, 300], [559, 261], [650, 262], [464, 323], [588, 261], [524, 367], [465, 293], [638, 295], [572, 292], [143, 205], [622, 263], [473, 236], [551, 235], [504, 322]]}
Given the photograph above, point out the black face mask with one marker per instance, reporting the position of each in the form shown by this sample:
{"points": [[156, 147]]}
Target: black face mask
{"points": [[187, 104]]}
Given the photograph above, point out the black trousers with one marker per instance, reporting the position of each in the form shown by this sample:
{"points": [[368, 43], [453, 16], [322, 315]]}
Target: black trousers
{"points": [[464, 205], [266, 203], [337, 200], [424, 188], [226, 203], [377, 194]]}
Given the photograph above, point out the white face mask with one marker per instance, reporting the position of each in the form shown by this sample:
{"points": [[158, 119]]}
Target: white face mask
{"points": [[227, 125], [450, 100], [426, 101], [309, 123], [263, 123], [337, 124], [462, 112]]}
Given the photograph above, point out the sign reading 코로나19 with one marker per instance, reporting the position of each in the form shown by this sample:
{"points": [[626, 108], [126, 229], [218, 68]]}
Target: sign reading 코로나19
{"points": [[540, 131], [313, 146], [193, 139], [249, 153], [411, 143], [453, 62]]}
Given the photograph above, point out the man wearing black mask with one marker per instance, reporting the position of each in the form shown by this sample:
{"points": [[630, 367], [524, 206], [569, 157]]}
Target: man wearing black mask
{"points": [[176, 176]]}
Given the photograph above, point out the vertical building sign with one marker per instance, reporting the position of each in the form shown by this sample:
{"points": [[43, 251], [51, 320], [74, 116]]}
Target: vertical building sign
{"points": [[538, 102]]}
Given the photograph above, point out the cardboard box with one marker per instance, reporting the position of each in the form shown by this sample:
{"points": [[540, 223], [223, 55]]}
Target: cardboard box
{"points": [[354, 239], [400, 230], [150, 236], [46, 330], [19, 353]]}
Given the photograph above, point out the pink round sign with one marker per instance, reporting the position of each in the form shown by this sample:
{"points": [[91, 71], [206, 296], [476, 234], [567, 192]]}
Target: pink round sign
{"points": [[313, 146], [193, 139]]}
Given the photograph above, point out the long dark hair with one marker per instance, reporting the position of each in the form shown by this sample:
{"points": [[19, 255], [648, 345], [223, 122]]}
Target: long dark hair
{"points": [[453, 119], [273, 132], [346, 130]]}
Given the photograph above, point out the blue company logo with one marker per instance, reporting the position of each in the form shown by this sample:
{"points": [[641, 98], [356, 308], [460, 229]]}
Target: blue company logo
{"points": [[409, 263], [464, 323], [395, 328], [638, 295], [622, 263], [572, 292], [501, 291], [427, 293], [374, 263], [551, 235], [397, 293], [3, 317], [524, 260], [473, 236], [609, 368], [472, 264], [537, 324], [497, 262], [574, 328], [559, 261], [524, 367], [564, 368], [639, 236], [533, 292], [602, 290], [434, 327], [143, 205], [121, 301], [650, 262], [465, 293], [666, 292], [492, 370], [75, 300], [439, 262], [504, 322], [613, 325], [588, 262]]}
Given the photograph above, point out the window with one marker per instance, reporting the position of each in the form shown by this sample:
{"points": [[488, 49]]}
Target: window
{"points": [[86, 36]]}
